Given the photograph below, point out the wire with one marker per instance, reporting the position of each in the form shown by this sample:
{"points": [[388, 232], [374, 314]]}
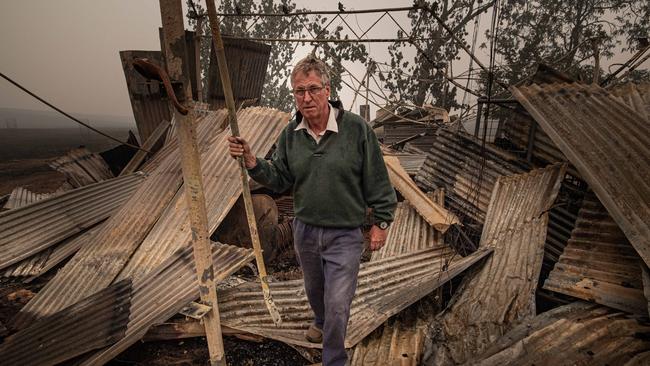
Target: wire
{"points": [[69, 116]]}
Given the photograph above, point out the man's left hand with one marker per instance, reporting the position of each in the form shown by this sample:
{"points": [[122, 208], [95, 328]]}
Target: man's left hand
{"points": [[377, 237]]}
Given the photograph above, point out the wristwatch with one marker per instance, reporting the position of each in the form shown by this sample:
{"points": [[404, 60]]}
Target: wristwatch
{"points": [[383, 225]]}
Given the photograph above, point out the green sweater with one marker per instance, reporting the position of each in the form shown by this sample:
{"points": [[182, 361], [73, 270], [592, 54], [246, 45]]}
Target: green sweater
{"points": [[333, 181]]}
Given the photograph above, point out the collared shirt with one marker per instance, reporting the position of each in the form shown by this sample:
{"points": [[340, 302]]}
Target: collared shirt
{"points": [[331, 125]]}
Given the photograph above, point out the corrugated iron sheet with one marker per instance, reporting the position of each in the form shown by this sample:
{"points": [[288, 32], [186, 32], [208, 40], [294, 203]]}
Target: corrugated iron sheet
{"points": [[148, 99], [433, 213], [385, 287], [503, 290], [396, 131], [599, 264], [575, 334], [92, 323], [33, 228], [221, 185], [82, 167], [166, 290], [607, 142], [247, 62], [22, 196], [42, 262], [454, 163], [396, 343], [516, 129], [153, 224], [636, 96], [409, 232]]}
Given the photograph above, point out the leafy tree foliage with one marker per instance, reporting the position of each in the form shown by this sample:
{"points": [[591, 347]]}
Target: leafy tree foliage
{"points": [[277, 89], [423, 78], [564, 34]]}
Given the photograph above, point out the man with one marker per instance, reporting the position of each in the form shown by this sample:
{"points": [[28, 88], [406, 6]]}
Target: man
{"points": [[332, 161]]}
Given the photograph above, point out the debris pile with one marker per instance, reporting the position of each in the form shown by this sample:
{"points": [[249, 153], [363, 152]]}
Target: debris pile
{"points": [[556, 211]]}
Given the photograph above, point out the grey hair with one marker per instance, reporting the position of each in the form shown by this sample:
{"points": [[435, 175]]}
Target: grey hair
{"points": [[312, 63]]}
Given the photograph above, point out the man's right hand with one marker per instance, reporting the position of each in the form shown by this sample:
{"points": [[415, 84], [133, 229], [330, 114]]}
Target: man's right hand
{"points": [[239, 147]]}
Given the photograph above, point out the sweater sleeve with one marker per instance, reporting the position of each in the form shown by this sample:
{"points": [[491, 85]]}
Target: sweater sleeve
{"points": [[275, 174], [377, 189]]}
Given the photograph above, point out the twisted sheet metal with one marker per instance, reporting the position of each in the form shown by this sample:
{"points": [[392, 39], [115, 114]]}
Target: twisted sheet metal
{"points": [[148, 100], [637, 96], [410, 162], [130, 234], [166, 290], [82, 167], [31, 229], [435, 214], [396, 343], [608, 143], [92, 323], [247, 63], [385, 287], [599, 264], [409, 232], [454, 163], [575, 334], [503, 290], [20, 197], [221, 184], [42, 262]]}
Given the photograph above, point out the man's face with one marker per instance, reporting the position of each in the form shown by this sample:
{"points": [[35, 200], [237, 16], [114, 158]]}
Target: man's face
{"points": [[311, 96]]}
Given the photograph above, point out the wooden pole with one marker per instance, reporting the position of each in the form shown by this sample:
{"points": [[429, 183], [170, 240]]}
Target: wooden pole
{"points": [[232, 119], [176, 57]]}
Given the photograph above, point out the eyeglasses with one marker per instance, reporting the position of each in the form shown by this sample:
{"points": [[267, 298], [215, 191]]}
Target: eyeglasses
{"points": [[313, 90]]}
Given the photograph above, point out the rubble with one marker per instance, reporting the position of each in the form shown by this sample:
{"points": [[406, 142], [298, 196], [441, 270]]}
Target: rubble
{"points": [[502, 291]]}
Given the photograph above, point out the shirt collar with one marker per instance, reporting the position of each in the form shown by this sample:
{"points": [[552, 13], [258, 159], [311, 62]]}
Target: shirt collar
{"points": [[331, 122]]}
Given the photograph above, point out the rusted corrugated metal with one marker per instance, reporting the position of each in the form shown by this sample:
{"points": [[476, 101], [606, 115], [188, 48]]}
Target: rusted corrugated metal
{"points": [[221, 184], [92, 323], [503, 290], [33, 228], [42, 262], [410, 162], [636, 96], [148, 99], [152, 225], [247, 62], [409, 232], [435, 214], [82, 167], [163, 292], [517, 128], [396, 343], [454, 163], [385, 287], [607, 142], [575, 334], [22, 196], [396, 131], [599, 264]]}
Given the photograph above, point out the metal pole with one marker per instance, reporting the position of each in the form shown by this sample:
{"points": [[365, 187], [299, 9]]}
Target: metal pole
{"points": [[234, 128], [477, 127], [174, 32]]}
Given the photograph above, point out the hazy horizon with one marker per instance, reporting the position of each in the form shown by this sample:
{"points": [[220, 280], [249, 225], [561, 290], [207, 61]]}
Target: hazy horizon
{"points": [[21, 118]]}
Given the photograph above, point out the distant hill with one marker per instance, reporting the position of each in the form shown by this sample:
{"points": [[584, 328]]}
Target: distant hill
{"points": [[30, 119]]}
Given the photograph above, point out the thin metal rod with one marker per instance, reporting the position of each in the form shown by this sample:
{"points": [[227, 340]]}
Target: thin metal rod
{"points": [[246, 193], [330, 40], [317, 12], [69, 116]]}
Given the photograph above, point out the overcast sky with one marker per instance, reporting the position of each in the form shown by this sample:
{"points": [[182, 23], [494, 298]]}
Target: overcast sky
{"points": [[67, 50]]}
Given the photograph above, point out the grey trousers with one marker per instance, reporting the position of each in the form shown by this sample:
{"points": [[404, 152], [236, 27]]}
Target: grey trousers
{"points": [[329, 258]]}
